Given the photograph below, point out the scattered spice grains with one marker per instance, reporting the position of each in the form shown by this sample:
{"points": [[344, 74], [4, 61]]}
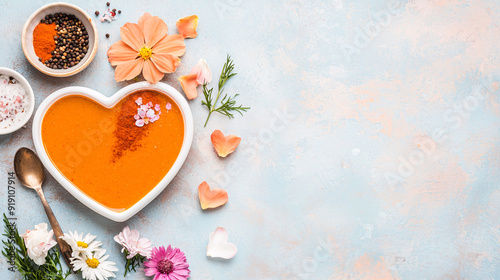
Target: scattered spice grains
{"points": [[109, 15], [13, 102], [70, 39]]}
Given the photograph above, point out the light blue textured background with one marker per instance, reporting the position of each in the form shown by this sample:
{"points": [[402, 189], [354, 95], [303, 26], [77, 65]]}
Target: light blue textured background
{"points": [[343, 171]]}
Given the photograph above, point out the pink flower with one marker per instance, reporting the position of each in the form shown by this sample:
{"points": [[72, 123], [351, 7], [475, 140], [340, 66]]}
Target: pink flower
{"points": [[157, 107], [168, 106], [38, 242], [130, 241], [145, 114], [167, 264]]}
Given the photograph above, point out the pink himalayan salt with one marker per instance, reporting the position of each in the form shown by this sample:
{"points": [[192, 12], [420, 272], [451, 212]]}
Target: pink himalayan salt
{"points": [[13, 102]]}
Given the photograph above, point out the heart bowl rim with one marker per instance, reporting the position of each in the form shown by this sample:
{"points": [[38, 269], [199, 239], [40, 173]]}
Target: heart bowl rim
{"points": [[109, 102]]}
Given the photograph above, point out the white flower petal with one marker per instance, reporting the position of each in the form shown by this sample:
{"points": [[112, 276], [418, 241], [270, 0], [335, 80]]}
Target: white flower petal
{"points": [[204, 74], [218, 247]]}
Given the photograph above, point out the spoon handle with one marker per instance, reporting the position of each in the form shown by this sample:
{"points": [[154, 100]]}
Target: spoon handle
{"points": [[65, 248]]}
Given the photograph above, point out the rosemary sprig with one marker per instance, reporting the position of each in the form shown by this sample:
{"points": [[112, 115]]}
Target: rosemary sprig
{"points": [[228, 104], [15, 247], [132, 263]]}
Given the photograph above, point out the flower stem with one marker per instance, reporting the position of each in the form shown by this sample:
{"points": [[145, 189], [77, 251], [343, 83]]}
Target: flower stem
{"points": [[213, 107], [208, 117]]}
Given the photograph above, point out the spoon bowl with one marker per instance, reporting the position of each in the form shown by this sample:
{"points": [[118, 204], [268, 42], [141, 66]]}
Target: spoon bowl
{"points": [[29, 168]]}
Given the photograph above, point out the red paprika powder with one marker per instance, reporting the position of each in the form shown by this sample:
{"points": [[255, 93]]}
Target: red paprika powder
{"points": [[43, 40]]}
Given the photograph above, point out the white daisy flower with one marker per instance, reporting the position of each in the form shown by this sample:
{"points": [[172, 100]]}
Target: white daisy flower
{"points": [[95, 267], [81, 246]]}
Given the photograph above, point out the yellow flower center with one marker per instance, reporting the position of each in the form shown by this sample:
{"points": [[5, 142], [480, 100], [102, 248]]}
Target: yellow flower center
{"points": [[93, 262], [145, 52], [82, 244]]}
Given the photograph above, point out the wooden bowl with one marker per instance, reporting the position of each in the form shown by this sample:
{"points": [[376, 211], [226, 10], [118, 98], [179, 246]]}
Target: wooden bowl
{"points": [[34, 20]]}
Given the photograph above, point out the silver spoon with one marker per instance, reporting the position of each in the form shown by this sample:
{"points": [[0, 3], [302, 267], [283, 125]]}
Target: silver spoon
{"points": [[30, 173]]}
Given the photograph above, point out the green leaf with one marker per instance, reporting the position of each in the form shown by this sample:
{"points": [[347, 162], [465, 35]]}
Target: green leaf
{"points": [[228, 104]]}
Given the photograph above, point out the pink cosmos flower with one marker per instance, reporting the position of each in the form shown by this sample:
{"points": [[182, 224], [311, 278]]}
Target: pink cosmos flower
{"points": [[134, 245], [167, 264]]}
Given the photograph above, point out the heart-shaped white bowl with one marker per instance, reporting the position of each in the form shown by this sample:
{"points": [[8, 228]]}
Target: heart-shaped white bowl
{"points": [[109, 102]]}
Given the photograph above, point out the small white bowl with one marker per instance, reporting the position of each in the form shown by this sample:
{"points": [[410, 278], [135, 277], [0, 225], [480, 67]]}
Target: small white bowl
{"points": [[34, 20], [31, 99], [109, 102]]}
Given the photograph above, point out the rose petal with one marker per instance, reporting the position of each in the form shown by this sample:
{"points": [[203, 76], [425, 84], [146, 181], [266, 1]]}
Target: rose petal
{"points": [[151, 73], [120, 52], [189, 84], [157, 107], [137, 117], [154, 118], [218, 247], [138, 101], [150, 113], [140, 123], [128, 70], [172, 44], [168, 106], [187, 26], [154, 30], [131, 34], [141, 112], [200, 74], [204, 74], [224, 145], [165, 62], [211, 198]]}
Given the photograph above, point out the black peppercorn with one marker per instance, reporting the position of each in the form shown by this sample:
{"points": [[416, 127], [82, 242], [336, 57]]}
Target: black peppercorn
{"points": [[71, 41]]}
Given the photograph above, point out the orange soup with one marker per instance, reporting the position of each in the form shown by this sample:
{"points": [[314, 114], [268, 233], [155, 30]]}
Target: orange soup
{"points": [[114, 155]]}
